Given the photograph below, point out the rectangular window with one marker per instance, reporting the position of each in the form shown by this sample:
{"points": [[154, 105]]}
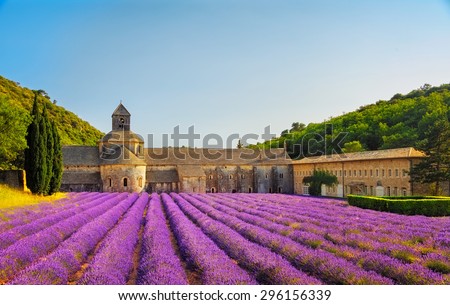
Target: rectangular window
{"points": [[382, 173], [306, 190]]}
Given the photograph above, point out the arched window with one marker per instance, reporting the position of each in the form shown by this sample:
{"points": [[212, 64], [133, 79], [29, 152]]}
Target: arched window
{"points": [[125, 182], [140, 181], [110, 182]]}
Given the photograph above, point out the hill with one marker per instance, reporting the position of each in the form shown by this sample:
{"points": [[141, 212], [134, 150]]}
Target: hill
{"points": [[393, 123], [16, 103]]}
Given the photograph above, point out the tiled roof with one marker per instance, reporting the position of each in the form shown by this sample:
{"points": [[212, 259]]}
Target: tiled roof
{"points": [[190, 171], [80, 155], [120, 154], [204, 156], [121, 135], [397, 153], [88, 155]]}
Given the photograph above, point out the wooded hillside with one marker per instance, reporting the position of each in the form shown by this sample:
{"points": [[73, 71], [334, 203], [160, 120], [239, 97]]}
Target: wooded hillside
{"points": [[15, 106], [385, 124]]}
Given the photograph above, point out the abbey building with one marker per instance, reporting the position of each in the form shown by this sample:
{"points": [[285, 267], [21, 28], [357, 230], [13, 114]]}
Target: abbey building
{"points": [[121, 163]]}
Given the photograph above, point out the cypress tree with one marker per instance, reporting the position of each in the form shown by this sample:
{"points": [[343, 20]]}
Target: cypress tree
{"points": [[49, 143], [31, 152], [41, 158], [36, 153], [55, 182]]}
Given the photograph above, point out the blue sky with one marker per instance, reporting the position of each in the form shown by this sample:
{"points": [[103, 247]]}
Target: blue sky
{"points": [[224, 66]]}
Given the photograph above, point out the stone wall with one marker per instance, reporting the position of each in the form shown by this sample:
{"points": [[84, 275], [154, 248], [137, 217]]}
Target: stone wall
{"points": [[193, 185], [81, 179], [229, 179], [273, 179], [13, 178], [123, 178]]}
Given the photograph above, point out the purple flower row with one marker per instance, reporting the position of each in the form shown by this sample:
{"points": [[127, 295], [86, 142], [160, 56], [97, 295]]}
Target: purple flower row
{"points": [[312, 234], [56, 267], [268, 267], [201, 253], [318, 213], [25, 251], [159, 263], [414, 224], [113, 260], [9, 237], [422, 274], [393, 243], [319, 263]]}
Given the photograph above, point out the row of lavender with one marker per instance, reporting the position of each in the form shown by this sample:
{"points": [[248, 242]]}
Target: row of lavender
{"points": [[408, 250], [220, 239]]}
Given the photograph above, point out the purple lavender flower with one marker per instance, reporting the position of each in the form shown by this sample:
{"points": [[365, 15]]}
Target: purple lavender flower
{"points": [[22, 253], [267, 267], [159, 263], [201, 252], [113, 261]]}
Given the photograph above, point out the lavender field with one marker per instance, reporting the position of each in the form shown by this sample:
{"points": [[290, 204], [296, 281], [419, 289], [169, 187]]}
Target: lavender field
{"points": [[121, 238]]}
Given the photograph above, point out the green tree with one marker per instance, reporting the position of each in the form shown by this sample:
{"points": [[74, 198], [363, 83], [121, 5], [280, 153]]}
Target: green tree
{"points": [[13, 129], [49, 149], [297, 127], [353, 146], [434, 130], [55, 181], [317, 179], [35, 154]]}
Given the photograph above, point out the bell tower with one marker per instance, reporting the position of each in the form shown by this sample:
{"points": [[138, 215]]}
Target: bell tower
{"points": [[121, 119]]}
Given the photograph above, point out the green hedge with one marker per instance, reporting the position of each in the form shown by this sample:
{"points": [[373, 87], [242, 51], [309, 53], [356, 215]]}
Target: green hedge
{"points": [[426, 205]]}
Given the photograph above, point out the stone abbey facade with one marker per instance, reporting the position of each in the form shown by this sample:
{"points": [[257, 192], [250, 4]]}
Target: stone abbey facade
{"points": [[120, 163]]}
